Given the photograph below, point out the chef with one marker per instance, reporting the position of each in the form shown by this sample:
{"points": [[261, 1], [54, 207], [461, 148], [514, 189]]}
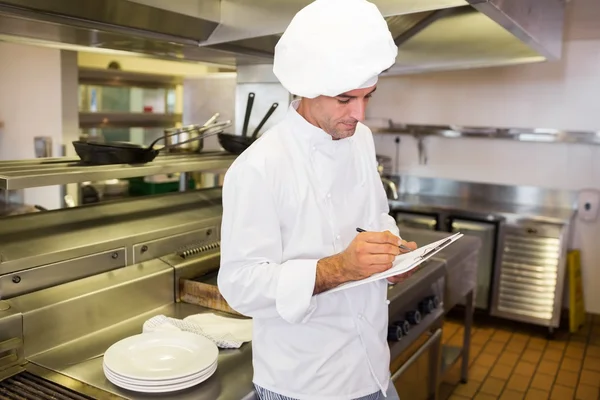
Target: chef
{"points": [[292, 203]]}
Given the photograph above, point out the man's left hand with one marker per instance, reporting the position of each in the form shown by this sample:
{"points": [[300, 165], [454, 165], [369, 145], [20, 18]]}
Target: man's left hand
{"points": [[402, 277]]}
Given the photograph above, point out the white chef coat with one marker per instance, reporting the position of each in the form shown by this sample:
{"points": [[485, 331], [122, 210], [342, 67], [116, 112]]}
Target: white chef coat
{"points": [[294, 197]]}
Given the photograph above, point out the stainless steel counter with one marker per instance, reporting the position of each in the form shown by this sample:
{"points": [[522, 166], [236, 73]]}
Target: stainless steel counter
{"points": [[459, 261], [78, 363], [510, 211], [81, 361], [38, 239]]}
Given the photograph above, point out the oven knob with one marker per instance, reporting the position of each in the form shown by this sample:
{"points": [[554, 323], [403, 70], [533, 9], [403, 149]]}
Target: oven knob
{"points": [[404, 325], [394, 333], [413, 317], [426, 306]]}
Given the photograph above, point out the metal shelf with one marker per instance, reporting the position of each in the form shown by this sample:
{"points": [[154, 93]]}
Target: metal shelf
{"points": [[127, 120], [538, 135], [119, 78], [23, 174]]}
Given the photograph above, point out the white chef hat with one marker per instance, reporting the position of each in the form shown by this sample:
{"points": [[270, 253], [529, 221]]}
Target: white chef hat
{"points": [[334, 46]]}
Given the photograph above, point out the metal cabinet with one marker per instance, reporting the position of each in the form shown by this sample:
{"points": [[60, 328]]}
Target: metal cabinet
{"points": [[485, 265], [418, 221], [530, 282]]}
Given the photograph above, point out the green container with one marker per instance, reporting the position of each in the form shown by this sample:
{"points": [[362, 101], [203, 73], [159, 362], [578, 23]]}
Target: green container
{"points": [[138, 187]]}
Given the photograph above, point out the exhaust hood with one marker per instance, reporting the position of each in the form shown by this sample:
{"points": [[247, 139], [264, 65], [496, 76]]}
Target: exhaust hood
{"points": [[431, 34]]}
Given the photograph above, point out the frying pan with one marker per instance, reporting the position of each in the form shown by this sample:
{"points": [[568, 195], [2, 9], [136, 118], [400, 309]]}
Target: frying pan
{"points": [[129, 153], [236, 144]]}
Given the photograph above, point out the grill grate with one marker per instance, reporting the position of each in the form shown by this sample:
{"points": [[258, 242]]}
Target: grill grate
{"points": [[26, 386]]}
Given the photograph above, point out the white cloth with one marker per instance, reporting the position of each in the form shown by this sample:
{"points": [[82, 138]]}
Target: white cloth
{"points": [[294, 197], [333, 46], [220, 326], [226, 333]]}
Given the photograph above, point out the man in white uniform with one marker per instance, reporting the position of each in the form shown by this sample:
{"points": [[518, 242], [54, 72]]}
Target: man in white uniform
{"points": [[291, 206]]}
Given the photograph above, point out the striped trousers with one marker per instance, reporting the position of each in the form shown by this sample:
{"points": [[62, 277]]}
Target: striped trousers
{"points": [[264, 394]]}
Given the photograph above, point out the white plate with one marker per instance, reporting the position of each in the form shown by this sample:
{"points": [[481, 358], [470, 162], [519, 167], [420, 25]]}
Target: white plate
{"points": [[163, 388], [161, 355], [162, 382]]}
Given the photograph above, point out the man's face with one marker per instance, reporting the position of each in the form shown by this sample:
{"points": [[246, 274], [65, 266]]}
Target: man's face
{"points": [[338, 115]]}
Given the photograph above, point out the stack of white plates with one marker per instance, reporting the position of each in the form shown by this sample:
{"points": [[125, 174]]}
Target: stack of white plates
{"points": [[160, 362]]}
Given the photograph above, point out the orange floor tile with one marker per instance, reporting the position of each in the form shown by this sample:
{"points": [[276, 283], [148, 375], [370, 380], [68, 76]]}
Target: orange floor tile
{"points": [[513, 361]]}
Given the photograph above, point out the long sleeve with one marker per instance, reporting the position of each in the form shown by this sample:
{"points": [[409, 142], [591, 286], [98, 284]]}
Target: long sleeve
{"points": [[386, 221], [253, 278]]}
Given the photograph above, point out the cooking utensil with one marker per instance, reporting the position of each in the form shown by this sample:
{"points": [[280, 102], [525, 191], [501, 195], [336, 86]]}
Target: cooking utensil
{"points": [[264, 120], [129, 153], [237, 144], [186, 133], [212, 119], [249, 105]]}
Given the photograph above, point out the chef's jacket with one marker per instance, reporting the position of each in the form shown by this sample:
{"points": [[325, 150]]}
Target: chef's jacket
{"points": [[294, 197]]}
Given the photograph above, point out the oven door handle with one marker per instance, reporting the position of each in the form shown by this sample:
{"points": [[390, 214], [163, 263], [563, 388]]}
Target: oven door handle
{"points": [[432, 339]]}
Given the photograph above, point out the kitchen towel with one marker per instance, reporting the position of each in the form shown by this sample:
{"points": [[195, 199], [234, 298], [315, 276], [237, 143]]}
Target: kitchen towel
{"points": [[226, 333]]}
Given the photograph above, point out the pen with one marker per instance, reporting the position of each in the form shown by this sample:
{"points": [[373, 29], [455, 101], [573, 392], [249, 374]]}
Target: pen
{"points": [[403, 247]]}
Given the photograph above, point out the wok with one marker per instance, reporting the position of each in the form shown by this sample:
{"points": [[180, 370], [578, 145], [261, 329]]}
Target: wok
{"points": [[236, 144], [130, 153]]}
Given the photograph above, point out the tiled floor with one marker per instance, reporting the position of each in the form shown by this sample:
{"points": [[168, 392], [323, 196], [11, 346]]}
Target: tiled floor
{"points": [[513, 361]]}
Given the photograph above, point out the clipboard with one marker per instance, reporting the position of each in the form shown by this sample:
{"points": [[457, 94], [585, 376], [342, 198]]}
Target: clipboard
{"points": [[404, 262]]}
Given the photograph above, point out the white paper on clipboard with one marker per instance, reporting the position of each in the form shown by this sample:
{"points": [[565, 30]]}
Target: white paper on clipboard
{"points": [[404, 262]]}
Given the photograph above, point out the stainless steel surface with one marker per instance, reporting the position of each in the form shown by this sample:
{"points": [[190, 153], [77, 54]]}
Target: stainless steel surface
{"points": [[460, 262], [54, 318], [418, 221], [21, 174], [231, 32], [115, 16], [485, 265], [151, 249], [29, 280], [72, 352], [430, 195], [534, 226], [231, 381], [530, 282], [516, 17], [75, 350], [70, 233], [543, 135], [204, 261], [11, 340]]}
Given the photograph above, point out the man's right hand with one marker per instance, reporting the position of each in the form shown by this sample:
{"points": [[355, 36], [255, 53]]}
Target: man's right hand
{"points": [[369, 253]]}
